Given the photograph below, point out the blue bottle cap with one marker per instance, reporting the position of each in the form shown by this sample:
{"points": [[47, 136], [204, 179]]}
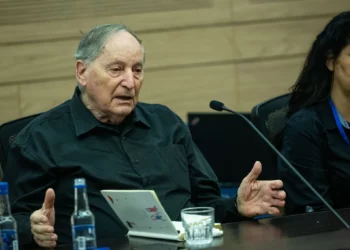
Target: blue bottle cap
{"points": [[4, 188], [79, 183], [103, 248]]}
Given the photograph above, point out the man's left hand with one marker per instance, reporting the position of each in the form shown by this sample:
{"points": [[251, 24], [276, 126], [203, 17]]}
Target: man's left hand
{"points": [[259, 197]]}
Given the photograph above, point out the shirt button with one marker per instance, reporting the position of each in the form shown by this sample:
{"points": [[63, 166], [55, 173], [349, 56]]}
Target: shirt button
{"points": [[136, 161], [124, 137]]}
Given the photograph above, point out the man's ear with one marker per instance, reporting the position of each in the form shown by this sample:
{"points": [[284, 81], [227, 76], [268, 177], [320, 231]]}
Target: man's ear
{"points": [[80, 72]]}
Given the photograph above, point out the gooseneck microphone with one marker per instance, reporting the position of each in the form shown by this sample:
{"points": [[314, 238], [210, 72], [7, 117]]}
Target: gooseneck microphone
{"points": [[219, 106]]}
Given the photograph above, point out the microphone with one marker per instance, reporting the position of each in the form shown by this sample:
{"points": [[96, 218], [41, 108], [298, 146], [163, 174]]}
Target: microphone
{"points": [[219, 106]]}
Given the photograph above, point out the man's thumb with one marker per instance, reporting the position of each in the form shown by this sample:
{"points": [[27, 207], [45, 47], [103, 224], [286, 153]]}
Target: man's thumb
{"points": [[49, 201], [255, 172]]}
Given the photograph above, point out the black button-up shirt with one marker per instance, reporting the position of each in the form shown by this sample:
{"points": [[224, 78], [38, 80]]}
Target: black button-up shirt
{"points": [[313, 144], [152, 149]]}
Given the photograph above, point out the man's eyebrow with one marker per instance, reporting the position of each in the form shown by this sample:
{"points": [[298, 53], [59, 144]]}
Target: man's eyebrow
{"points": [[140, 63], [116, 62]]}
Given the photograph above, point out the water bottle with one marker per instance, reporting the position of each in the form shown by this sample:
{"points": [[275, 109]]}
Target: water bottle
{"points": [[8, 225], [82, 220]]}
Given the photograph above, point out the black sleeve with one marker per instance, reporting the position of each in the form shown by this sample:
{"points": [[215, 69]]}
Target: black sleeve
{"points": [[28, 182], [303, 146], [205, 189]]}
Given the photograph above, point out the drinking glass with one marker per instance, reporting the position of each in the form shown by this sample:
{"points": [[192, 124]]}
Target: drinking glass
{"points": [[198, 223]]}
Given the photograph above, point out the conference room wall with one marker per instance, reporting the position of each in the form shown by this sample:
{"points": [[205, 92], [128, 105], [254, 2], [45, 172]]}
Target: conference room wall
{"points": [[239, 51]]}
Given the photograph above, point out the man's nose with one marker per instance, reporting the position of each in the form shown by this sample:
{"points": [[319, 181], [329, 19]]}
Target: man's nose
{"points": [[129, 81]]}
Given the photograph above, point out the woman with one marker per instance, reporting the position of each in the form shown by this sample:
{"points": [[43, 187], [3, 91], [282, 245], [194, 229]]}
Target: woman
{"points": [[317, 135]]}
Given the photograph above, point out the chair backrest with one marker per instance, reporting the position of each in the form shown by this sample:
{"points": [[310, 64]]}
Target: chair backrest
{"points": [[270, 117], [8, 133]]}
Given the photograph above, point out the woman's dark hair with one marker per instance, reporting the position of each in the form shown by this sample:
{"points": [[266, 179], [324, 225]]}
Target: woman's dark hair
{"points": [[314, 82]]}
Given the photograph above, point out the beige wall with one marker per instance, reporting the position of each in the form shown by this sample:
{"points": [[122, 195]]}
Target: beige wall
{"points": [[238, 51]]}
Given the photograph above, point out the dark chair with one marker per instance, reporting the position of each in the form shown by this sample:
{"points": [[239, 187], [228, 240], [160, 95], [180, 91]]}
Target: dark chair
{"points": [[8, 133], [270, 117]]}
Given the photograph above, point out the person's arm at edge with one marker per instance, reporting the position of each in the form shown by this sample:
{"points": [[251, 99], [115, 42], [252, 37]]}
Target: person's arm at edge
{"points": [[303, 146]]}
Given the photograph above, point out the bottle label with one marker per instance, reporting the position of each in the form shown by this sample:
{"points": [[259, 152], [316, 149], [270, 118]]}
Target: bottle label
{"points": [[8, 240], [81, 242], [84, 227], [84, 237]]}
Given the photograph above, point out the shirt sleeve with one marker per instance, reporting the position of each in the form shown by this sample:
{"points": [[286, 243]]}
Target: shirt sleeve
{"points": [[27, 185], [303, 145], [205, 189]]}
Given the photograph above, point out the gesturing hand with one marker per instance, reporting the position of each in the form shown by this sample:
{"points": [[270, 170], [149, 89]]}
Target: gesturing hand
{"points": [[259, 197], [43, 221]]}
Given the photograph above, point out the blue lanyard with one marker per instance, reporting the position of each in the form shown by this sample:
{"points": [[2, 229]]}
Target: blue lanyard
{"points": [[337, 117]]}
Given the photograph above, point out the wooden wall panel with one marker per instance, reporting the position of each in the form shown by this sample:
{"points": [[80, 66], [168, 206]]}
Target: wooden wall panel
{"points": [[9, 103], [62, 26], [259, 81], [39, 97], [239, 51], [17, 11], [190, 89], [249, 10], [285, 38], [206, 12], [186, 47], [35, 61]]}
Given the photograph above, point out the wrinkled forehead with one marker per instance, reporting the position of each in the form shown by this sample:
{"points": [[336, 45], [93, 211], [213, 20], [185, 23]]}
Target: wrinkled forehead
{"points": [[122, 46]]}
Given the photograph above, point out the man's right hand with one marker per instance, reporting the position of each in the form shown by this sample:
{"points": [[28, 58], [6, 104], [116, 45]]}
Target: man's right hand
{"points": [[43, 222]]}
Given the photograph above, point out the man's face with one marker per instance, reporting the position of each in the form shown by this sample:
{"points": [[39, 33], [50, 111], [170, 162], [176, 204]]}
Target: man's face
{"points": [[113, 80]]}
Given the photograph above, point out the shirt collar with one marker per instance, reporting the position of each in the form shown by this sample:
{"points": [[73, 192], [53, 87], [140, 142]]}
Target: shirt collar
{"points": [[139, 116], [84, 121]]}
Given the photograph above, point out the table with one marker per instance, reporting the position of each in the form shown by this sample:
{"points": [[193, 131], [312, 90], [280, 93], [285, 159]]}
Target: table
{"points": [[320, 230]]}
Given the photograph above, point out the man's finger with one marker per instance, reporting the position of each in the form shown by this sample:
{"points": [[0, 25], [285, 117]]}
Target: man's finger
{"points": [[255, 172], [277, 184], [277, 203], [281, 195], [49, 201], [46, 244], [38, 218], [273, 211], [42, 229], [45, 237]]}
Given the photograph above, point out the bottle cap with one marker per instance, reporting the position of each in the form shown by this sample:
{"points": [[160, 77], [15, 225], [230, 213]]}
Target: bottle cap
{"points": [[79, 183], [4, 188], [103, 248]]}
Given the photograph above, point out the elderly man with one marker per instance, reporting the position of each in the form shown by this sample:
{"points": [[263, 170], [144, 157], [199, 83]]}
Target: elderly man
{"points": [[106, 136]]}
